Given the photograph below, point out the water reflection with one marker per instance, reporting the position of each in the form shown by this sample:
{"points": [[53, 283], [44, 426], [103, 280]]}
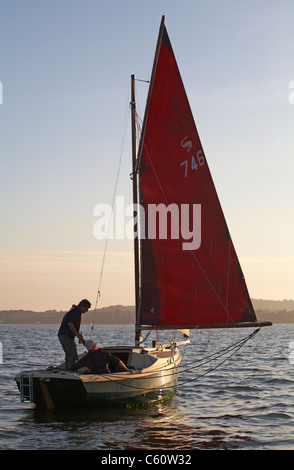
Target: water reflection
{"points": [[160, 426], [246, 404]]}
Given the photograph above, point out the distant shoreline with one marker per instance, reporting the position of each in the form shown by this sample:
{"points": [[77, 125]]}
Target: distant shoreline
{"points": [[276, 311], [117, 314]]}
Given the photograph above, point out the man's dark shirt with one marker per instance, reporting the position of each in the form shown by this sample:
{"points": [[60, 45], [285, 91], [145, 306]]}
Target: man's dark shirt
{"points": [[97, 361], [73, 316]]}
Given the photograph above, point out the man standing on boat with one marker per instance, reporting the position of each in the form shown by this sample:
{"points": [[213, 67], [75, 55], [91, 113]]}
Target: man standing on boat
{"points": [[69, 329]]}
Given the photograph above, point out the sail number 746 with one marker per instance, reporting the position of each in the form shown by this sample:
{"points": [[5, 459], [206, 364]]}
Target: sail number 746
{"points": [[193, 163]]}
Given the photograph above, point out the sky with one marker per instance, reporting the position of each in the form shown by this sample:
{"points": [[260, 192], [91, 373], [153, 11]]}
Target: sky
{"points": [[65, 70]]}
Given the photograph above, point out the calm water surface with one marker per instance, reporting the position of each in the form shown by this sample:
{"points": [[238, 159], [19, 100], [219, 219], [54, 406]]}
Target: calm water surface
{"points": [[245, 404]]}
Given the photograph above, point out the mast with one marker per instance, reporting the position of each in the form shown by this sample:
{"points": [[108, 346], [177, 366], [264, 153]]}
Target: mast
{"points": [[135, 158], [135, 201]]}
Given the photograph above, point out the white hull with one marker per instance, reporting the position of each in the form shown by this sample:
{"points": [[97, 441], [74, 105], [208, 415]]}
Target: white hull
{"points": [[155, 378]]}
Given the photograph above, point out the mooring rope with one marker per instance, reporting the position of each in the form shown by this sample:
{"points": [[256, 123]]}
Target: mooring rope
{"points": [[234, 347]]}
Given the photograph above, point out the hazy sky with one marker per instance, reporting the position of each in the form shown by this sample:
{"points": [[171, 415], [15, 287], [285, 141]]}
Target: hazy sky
{"points": [[65, 69]]}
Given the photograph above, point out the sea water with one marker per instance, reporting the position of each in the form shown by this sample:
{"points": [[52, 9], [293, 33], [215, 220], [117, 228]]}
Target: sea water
{"points": [[246, 403]]}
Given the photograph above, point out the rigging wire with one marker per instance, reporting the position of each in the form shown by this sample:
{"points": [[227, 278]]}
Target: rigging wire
{"points": [[126, 120], [222, 351], [127, 113], [234, 348]]}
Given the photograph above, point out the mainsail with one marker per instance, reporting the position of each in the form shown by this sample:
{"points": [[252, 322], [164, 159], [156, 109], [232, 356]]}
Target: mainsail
{"points": [[184, 283]]}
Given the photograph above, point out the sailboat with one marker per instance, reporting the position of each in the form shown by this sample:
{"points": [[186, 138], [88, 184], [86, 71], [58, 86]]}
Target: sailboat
{"points": [[187, 278]]}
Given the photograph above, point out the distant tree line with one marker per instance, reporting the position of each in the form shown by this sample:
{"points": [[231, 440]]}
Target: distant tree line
{"points": [[118, 314], [276, 311]]}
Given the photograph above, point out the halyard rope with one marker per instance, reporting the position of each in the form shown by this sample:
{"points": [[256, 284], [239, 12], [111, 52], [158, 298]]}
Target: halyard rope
{"points": [[112, 205]]}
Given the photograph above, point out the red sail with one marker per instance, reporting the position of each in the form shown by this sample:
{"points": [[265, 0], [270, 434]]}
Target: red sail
{"points": [[201, 285]]}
